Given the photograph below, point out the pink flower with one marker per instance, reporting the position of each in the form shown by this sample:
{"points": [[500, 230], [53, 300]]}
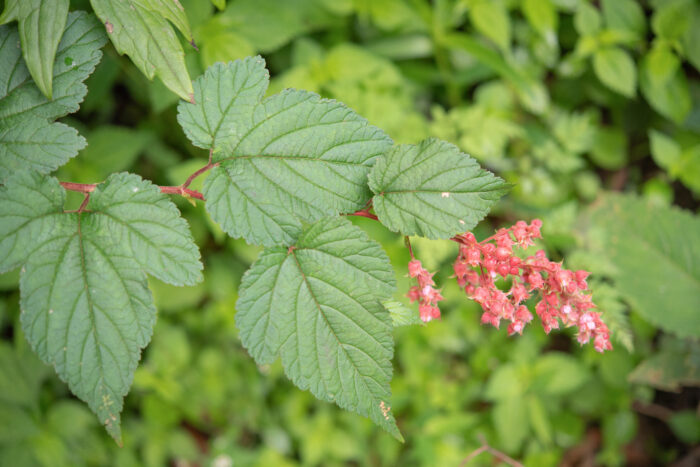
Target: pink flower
{"points": [[563, 293], [424, 293]]}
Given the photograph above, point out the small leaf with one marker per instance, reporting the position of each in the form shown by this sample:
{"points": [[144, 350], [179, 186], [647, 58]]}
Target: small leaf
{"points": [[171, 10], [624, 15], [9, 14], [86, 307], [587, 19], [672, 99], [147, 38], [432, 190], [615, 68], [41, 25], [401, 315], [662, 64], [542, 15], [491, 19], [317, 305]]}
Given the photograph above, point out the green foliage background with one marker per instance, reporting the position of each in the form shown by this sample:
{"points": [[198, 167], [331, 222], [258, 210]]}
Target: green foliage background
{"points": [[568, 100]]}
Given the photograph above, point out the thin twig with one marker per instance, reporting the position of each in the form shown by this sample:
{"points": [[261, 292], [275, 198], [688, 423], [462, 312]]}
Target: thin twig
{"points": [[494, 452], [408, 245]]}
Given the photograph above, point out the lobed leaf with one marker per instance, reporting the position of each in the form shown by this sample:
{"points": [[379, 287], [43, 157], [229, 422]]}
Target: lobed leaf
{"points": [[285, 160], [28, 138], [432, 189], [317, 305], [86, 307], [139, 29]]}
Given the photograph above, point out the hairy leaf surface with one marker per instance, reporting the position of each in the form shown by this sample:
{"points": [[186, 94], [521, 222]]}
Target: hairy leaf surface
{"points": [[139, 29], [657, 258], [28, 137], [288, 159], [41, 25], [318, 306], [86, 307], [432, 190]]}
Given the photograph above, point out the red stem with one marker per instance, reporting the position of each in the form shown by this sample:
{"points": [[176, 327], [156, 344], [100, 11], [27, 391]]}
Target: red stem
{"points": [[170, 190]]}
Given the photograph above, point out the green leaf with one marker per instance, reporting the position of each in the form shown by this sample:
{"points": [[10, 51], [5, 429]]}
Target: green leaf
{"points": [[401, 315], [285, 160], [41, 25], [491, 19], [511, 421], [609, 149], [226, 96], [587, 19], [662, 64], [675, 364], [672, 99], [78, 54], [672, 19], [656, 253], [686, 426], [664, 150], [615, 68], [171, 10], [10, 12], [35, 143], [432, 190], [542, 16], [86, 307], [141, 32], [556, 373], [318, 305], [624, 15], [530, 91], [28, 138], [150, 226]]}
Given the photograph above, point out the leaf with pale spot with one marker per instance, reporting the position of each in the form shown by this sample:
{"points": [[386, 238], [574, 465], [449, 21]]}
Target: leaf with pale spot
{"points": [[317, 305], [432, 189], [282, 161]]}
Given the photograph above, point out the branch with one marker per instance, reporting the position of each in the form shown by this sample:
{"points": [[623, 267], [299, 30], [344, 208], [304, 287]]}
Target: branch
{"points": [[170, 190], [494, 452], [181, 190]]}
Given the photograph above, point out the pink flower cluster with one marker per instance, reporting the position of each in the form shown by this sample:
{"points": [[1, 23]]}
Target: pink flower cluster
{"points": [[424, 293], [564, 294]]}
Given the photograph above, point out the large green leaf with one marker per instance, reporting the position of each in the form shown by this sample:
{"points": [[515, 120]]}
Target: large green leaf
{"points": [[139, 28], [318, 305], [615, 68], [432, 189], [657, 258], [86, 307], [290, 158], [41, 24], [28, 138]]}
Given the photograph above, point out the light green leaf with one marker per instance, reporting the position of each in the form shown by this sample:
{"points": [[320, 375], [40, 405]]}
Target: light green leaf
{"points": [[530, 91], [615, 68], [147, 38], [624, 15], [401, 315], [86, 307], [657, 259], [10, 12], [78, 54], [317, 305], [542, 15], [41, 25], [662, 64], [150, 226], [510, 418], [664, 150], [171, 10], [672, 99], [587, 19], [290, 158], [672, 19], [692, 38], [219, 4], [557, 373], [34, 143], [491, 19], [609, 149], [432, 190]]}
